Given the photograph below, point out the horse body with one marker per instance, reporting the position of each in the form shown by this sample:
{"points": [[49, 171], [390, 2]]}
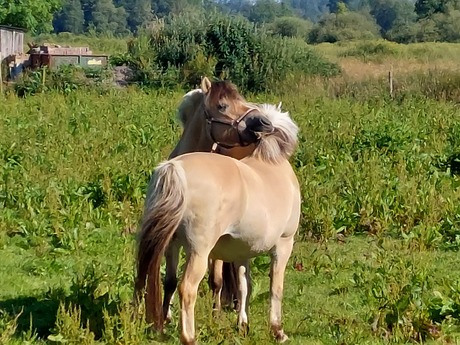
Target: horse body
{"points": [[254, 223], [217, 206]]}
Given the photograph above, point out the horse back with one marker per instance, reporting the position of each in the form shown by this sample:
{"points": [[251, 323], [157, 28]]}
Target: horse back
{"points": [[246, 203]]}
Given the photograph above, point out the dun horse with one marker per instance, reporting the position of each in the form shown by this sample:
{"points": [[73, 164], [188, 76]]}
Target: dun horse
{"points": [[199, 110], [218, 207]]}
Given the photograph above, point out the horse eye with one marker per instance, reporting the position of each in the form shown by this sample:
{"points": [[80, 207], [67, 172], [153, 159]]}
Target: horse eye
{"points": [[222, 107]]}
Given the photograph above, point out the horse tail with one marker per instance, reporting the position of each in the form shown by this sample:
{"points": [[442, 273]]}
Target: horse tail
{"points": [[163, 213]]}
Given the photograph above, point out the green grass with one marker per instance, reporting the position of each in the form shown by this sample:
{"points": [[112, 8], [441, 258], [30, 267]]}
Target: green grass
{"points": [[380, 49], [378, 242]]}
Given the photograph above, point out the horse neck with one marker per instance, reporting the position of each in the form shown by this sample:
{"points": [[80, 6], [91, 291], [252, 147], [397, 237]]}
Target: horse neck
{"points": [[194, 138], [239, 152]]}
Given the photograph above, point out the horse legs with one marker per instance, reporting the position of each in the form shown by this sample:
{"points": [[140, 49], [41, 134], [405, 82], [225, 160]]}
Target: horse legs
{"points": [[194, 272], [216, 282], [280, 257], [243, 295], [170, 282]]}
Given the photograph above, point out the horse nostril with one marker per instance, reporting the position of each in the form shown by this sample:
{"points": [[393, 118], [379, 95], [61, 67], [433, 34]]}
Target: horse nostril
{"points": [[265, 122]]}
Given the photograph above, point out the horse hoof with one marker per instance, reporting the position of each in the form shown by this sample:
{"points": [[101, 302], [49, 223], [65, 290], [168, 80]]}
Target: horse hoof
{"points": [[215, 312], [188, 342], [281, 337], [244, 329], [168, 317]]}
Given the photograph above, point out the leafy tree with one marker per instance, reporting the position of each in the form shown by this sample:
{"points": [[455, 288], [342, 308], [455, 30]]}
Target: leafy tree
{"points": [[70, 18], [334, 5], [388, 13], [291, 27], [403, 32], [139, 12], [103, 17], [162, 8], [312, 9], [449, 25], [34, 15], [265, 11], [243, 7], [425, 8], [344, 26]]}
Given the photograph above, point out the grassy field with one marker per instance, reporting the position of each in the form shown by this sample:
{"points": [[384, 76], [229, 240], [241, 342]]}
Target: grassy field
{"points": [[376, 259]]}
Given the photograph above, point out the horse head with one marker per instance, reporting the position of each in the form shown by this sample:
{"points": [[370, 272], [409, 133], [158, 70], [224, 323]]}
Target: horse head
{"points": [[231, 120], [216, 117]]}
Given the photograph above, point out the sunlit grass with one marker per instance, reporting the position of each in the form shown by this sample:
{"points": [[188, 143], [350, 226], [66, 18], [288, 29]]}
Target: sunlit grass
{"points": [[377, 251]]}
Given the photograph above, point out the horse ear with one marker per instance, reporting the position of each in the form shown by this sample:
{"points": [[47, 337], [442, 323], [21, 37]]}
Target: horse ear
{"points": [[205, 85]]}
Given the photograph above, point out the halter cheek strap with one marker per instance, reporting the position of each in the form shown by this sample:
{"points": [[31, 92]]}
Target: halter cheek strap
{"points": [[229, 122]]}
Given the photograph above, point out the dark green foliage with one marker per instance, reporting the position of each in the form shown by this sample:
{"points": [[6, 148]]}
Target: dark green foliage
{"points": [[291, 27], [229, 47], [70, 18], [104, 17], [33, 15], [391, 13], [266, 11], [65, 80], [312, 10], [344, 26], [139, 13], [371, 50], [403, 32], [334, 5], [426, 8]]}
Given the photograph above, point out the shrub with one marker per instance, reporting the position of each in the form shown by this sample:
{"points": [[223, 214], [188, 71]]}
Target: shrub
{"points": [[403, 32], [221, 46], [291, 27], [344, 26], [370, 49], [65, 79]]}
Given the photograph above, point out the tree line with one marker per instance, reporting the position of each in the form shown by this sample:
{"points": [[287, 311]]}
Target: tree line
{"points": [[313, 20]]}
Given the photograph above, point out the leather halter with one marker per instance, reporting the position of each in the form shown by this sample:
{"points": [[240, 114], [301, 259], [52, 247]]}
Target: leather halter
{"points": [[234, 124]]}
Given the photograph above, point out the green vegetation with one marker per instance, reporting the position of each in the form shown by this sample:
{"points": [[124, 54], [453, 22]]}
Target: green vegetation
{"points": [[186, 47], [32, 15], [376, 258], [403, 21]]}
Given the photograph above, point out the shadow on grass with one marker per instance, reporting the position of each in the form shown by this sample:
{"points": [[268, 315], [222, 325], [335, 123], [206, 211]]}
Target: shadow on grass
{"points": [[39, 314]]}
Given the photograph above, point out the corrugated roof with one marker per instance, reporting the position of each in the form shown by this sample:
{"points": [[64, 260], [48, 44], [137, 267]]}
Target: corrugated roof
{"points": [[9, 27]]}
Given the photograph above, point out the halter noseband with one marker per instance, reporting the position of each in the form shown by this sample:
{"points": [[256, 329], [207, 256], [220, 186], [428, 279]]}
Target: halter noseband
{"points": [[227, 121]]}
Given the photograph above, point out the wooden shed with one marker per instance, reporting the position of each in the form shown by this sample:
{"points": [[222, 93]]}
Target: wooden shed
{"points": [[11, 41]]}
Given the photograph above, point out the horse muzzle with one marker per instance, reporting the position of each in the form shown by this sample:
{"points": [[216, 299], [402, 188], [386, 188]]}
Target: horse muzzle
{"points": [[244, 131]]}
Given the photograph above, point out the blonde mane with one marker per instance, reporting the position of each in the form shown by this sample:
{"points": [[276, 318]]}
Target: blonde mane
{"points": [[190, 103], [281, 143]]}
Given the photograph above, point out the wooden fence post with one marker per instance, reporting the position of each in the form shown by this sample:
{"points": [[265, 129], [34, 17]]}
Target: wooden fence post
{"points": [[1, 77], [390, 82]]}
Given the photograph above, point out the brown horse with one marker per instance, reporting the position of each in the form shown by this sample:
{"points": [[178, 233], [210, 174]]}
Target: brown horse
{"points": [[198, 113], [219, 207]]}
